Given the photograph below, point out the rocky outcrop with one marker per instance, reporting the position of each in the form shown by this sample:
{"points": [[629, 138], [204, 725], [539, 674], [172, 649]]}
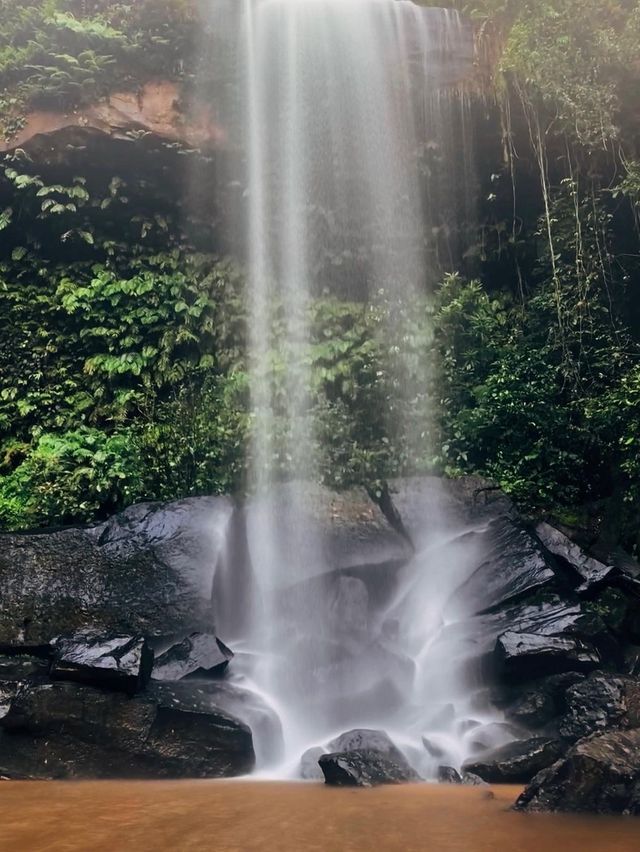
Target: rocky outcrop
{"points": [[600, 774], [517, 762], [81, 609], [540, 701], [525, 655], [155, 108], [601, 702], [148, 571], [588, 573], [68, 730], [364, 769], [110, 660]]}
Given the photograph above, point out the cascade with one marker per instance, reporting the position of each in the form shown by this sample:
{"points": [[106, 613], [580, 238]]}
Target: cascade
{"points": [[356, 167]]}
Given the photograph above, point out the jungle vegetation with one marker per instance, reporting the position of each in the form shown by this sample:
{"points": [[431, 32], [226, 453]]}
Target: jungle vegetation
{"points": [[122, 358]]}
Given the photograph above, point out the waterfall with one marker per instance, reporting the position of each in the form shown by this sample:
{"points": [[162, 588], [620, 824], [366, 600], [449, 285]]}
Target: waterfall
{"points": [[339, 101]]}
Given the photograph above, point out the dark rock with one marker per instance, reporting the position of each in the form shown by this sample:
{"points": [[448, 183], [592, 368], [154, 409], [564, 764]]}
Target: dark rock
{"points": [[110, 661], [309, 766], [364, 769], [200, 654], [601, 774], [548, 615], [148, 571], [589, 572], [365, 740], [516, 763], [513, 564], [602, 701], [528, 655], [7, 694], [449, 775], [535, 705], [593, 705], [632, 660], [67, 730], [23, 667], [213, 696]]}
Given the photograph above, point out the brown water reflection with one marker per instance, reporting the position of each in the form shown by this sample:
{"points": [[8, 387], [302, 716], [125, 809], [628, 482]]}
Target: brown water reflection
{"points": [[238, 816]]}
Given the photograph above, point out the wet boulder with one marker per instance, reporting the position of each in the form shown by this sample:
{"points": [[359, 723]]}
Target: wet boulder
{"points": [[199, 655], [600, 702], [537, 704], [513, 565], [69, 730], [206, 696], [587, 573], [517, 762], [364, 769], [107, 660], [147, 571], [601, 774], [366, 740], [522, 656]]}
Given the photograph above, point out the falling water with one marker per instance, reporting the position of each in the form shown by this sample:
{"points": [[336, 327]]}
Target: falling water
{"points": [[355, 176]]}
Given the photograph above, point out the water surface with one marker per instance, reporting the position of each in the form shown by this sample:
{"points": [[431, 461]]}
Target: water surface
{"points": [[194, 816]]}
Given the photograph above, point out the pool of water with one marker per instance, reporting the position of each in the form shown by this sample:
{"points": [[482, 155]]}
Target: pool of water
{"points": [[238, 815]]}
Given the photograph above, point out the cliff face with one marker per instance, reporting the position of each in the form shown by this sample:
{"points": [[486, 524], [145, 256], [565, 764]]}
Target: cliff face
{"points": [[156, 108]]}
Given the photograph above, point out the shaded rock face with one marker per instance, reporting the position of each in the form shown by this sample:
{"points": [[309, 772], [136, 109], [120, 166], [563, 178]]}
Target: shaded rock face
{"points": [[514, 565], [200, 654], [148, 571], [68, 730], [113, 661], [602, 701], [601, 774], [589, 573], [241, 705], [536, 704], [516, 763], [525, 655], [364, 769]]}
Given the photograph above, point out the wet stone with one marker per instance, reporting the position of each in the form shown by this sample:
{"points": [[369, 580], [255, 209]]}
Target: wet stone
{"points": [[516, 763], [364, 769], [108, 660], [199, 654]]}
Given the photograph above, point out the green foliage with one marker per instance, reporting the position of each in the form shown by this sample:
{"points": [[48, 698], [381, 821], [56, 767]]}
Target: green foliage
{"points": [[69, 478]]}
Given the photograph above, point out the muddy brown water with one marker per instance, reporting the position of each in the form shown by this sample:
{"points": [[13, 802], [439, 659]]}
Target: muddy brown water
{"points": [[182, 816]]}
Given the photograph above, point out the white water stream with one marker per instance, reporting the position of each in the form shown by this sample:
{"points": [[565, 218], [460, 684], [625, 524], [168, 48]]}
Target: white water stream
{"points": [[340, 100]]}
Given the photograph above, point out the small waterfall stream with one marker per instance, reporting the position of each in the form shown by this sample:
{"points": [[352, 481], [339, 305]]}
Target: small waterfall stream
{"points": [[340, 99]]}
